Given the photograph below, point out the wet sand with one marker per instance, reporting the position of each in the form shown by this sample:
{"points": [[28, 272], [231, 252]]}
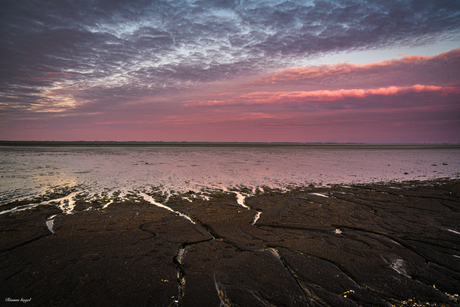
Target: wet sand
{"points": [[360, 245]]}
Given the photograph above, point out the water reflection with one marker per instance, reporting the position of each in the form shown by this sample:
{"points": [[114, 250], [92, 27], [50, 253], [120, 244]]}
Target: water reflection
{"points": [[27, 172]]}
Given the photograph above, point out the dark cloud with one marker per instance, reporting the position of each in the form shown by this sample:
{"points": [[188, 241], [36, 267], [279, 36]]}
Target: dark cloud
{"points": [[144, 47], [335, 26]]}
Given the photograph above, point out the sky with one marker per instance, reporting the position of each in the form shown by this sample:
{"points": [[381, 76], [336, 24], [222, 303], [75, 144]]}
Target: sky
{"points": [[230, 70]]}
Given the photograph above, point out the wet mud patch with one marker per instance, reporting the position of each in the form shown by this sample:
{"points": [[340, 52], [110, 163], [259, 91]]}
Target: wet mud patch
{"points": [[363, 245]]}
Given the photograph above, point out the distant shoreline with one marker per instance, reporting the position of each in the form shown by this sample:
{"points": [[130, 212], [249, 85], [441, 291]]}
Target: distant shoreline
{"points": [[216, 144]]}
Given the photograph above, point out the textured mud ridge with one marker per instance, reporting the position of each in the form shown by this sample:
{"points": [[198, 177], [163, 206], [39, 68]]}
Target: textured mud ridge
{"points": [[366, 245]]}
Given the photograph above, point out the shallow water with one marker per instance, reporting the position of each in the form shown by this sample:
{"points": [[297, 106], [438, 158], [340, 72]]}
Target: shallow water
{"points": [[27, 172]]}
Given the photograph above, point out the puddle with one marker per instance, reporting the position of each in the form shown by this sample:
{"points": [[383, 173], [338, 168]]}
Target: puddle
{"points": [[49, 224], [150, 199], [454, 231], [256, 217], [240, 199], [320, 194]]}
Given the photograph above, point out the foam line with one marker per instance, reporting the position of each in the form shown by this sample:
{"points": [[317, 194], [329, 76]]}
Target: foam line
{"points": [[20, 208]]}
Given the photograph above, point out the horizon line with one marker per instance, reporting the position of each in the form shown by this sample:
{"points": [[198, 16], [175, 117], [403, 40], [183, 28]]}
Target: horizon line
{"points": [[203, 143]]}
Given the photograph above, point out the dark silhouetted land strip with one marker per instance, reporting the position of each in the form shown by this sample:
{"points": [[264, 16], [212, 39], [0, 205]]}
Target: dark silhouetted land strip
{"points": [[221, 144]]}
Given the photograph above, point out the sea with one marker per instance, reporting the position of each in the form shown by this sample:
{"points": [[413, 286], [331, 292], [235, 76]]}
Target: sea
{"points": [[95, 172]]}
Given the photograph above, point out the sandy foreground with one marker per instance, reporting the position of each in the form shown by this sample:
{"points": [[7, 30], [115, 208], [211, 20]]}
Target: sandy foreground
{"points": [[361, 245]]}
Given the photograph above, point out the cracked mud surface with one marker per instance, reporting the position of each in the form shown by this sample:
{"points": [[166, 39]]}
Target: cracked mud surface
{"points": [[366, 245]]}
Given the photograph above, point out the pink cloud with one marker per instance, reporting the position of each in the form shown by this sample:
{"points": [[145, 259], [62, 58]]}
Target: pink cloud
{"points": [[57, 91], [310, 72], [110, 123], [320, 95], [58, 74], [221, 116], [48, 77]]}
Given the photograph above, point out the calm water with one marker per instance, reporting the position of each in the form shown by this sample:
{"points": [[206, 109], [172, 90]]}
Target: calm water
{"points": [[27, 172]]}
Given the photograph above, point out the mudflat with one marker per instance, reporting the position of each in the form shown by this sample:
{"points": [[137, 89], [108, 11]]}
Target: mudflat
{"points": [[392, 244]]}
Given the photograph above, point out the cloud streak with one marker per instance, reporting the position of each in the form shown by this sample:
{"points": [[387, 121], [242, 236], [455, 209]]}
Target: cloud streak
{"points": [[451, 58], [322, 95]]}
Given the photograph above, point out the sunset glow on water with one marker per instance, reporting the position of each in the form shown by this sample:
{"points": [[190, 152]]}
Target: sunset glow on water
{"points": [[87, 171]]}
